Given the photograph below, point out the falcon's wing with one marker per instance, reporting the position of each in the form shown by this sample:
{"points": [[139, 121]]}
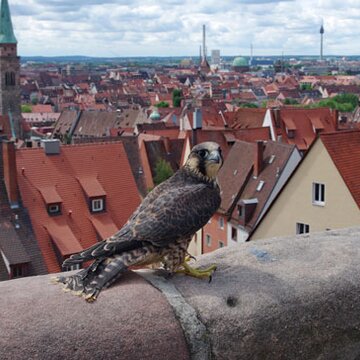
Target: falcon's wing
{"points": [[176, 213], [172, 212]]}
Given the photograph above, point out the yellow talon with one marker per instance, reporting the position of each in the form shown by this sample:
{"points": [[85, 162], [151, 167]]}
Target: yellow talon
{"points": [[197, 273], [90, 298], [54, 280]]}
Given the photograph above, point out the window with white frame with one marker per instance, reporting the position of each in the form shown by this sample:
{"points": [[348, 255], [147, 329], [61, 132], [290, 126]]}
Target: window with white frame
{"points": [[221, 223], [54, 209], [302, 228], [208, 240], [97, 205], [318, 194]]}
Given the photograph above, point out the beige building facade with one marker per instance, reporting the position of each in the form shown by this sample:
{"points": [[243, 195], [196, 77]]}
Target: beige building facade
{"points": [[316, 198]]}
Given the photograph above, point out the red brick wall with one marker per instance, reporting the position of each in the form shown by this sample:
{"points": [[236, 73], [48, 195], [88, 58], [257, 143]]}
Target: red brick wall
{"points": [[216, 233], [10, 179]]}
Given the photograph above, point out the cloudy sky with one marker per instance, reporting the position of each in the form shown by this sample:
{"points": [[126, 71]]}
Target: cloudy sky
{"points": [[174, 27]]}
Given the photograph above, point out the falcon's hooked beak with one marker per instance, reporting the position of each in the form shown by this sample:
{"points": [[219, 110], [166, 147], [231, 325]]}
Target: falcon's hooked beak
{"points": [[213, 163], [215, 156]]}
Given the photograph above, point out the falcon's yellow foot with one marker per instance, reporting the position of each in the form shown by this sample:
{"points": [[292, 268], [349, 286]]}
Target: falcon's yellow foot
{"points": [[197, 273], [54, 280], [91, 297]]}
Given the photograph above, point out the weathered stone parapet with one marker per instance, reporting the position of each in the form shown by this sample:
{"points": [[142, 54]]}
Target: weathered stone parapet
{"points": [[288, 298]]}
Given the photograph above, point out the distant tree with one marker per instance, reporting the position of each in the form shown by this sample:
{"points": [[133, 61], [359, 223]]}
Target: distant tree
{"points": [[343, 102], [264, 104], [249, 105], [34, 100], [176, 97], [163, 171], [306, 87], [162, 104], [25, 108], [288, 101]]}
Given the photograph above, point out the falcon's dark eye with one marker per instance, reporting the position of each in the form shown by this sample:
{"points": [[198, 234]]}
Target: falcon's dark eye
{"points": [[203, 153]]}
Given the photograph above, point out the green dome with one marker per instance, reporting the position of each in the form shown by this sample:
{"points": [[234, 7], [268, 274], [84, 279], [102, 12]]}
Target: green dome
{"points": [[155, 115], [240, 61]]}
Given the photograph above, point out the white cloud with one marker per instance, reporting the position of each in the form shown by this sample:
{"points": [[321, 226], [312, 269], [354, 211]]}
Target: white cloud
{"points": [[173, 27]]}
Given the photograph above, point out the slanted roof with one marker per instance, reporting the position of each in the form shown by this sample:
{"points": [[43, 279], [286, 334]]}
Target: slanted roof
{"points": [[235, 172], [307, 123], [289, 123], [7, 35], [244, 118], [236, 178], [104, 225], [63, 237], [106, 162], [344, 149], [10, 244], [316, 122], [49, 194], [91, 186], [269, 175]]}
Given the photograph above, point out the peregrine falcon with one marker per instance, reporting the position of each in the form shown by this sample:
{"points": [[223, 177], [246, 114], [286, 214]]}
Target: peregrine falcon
{"points": [[159, 230]]}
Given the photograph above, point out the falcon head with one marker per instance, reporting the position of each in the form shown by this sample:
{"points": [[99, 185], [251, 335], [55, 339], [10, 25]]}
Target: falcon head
{"points": [[206, 159]]}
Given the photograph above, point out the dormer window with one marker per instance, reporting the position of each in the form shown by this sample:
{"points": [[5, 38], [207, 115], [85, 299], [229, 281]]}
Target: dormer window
{"points": [[290, 133], [97, 205], [52, 199], [54, 209], [246, 208], [95, 194]]}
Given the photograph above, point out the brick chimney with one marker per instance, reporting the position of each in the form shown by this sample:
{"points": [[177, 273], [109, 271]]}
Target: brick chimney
{"points": [[276, 113], [335, 115], [258, 158], [10, 178]]}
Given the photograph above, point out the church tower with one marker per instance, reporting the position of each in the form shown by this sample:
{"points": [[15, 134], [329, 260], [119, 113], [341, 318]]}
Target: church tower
{"points": [[10, 102]]}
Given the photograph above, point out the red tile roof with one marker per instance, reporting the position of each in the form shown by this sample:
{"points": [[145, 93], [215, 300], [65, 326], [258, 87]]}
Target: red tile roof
{"points": [[63, 237], [305, 124], [245, 118], [91, 186], [49, 194], [104, 225], [40, 108], [105, 162], [344, 149]]}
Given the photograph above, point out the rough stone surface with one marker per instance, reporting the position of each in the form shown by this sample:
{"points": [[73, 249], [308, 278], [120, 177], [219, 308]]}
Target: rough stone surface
{"points": [[194, 330], [131, 320], [289, 298]]}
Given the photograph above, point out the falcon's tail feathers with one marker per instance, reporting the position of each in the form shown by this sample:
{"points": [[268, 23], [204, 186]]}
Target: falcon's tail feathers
{"points": [[90, 281], [105, 248]]}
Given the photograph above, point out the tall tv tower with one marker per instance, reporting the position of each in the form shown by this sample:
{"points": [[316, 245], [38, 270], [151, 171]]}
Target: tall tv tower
{"points": [[321, 40]]}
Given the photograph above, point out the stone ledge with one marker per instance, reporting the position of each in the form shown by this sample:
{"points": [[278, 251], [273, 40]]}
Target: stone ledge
{"points": [[288, 298]]}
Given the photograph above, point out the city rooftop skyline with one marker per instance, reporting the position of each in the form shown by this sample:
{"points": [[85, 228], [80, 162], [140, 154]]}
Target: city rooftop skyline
{"points": [[114, 28]]}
